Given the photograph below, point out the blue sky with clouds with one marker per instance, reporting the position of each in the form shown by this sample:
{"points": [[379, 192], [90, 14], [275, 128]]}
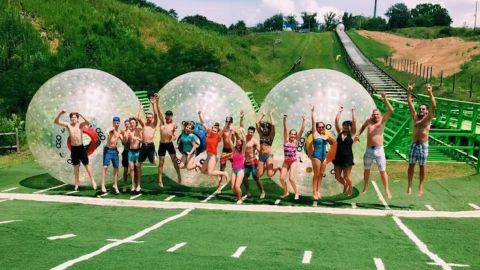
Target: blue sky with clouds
{"points": [[255, 11]]}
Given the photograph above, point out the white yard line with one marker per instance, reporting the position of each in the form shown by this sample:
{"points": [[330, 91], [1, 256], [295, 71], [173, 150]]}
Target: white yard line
{"points": [[3, 200], [72, 192], [65, 236], [277, 201], [109, 246], [235, 207], [474, 206], [380, 196], [117, 240], [136, 196], [103, 195], [9, 221], [379, 263], [177, 246], [429, 207], [354, 205], [10, 189], [47, 189], [451, 264], [169, 198], [307, 257], [421, 246], [214, 194], [239, 252]]}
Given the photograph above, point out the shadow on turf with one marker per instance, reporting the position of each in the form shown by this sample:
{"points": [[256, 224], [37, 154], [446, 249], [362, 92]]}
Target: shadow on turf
{"points": [[41, 181]]}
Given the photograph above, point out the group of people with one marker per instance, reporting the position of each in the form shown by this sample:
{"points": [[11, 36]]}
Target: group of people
{"points": [[247, 155]]}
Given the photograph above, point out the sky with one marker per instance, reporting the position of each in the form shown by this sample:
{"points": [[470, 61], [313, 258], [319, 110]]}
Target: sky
{"points": [[256, 11]]}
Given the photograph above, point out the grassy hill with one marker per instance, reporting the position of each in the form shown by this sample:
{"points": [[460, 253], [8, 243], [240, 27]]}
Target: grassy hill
{"points": [[143, 47], [375, 51], [437, 32]]}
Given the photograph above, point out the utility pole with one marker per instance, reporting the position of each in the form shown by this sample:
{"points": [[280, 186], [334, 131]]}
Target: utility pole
{"points": [[475, 22], [375, 9]]}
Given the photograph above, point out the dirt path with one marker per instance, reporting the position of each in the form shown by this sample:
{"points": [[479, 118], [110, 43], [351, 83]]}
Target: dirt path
{"points": [[447, 54]]}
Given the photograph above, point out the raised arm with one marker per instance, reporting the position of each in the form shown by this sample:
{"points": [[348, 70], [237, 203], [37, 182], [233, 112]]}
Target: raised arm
{"points": [[241, 118], [259, 119], [362, 128], [139, 120], [354, 122], [285, 130], [57, 120], [154, 106], [202, 121], [389, 108], [302, 127], [431, 112], [413, 114], [314, 130], [337, 119], [272, 121], [85, 121], [157, 108]]}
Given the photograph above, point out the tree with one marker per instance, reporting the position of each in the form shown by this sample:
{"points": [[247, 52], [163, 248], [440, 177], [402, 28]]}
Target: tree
{"points": [[203, 22], [398, 16], [347, 20], [309, 21], [375, 24], [331, 20], [173, 13], [291, 22], [274, 23], [430, 15], [240, 28], [358, 21]]}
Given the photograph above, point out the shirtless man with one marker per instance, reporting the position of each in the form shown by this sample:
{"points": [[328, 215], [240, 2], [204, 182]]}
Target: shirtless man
{"points": [[110, 153], [124, 139], [421, 128], [228, 137], [167, 136], [135, 137], [78, 151], [148, 132], [376, 125], [252, 147]]}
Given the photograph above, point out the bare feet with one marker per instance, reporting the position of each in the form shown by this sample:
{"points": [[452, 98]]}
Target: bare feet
{"points": [[315, 203], [116, 190], [297, 196], [240, 201], [387, 193], [345, 188], [285, 195], [160, 183], [350, 191], [262, 195], [76, 188], [409, 190], [104, 190], [138, 189], [94, 185], [420, 191]]}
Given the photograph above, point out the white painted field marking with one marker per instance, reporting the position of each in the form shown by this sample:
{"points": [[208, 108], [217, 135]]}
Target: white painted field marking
{"points": [[10, 189], [214, 193], [429, 207], [379, 263], [169, 198], [277, 201], [422, 246], [3, 200], [65, 236], [47, 189], [103, 195], [9, 221], [72, 192], [238, 208], [354, 205], [136, 196], [380, 196], [117, 240], [474, 206], [307, 257], [452, 264], [177, 246], [239, 252], [105, 248]]}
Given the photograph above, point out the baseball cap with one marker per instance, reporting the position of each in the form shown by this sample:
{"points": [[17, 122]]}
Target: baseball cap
{"points": [[116, 119]]}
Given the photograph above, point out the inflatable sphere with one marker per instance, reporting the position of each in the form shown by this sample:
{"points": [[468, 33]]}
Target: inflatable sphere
{"points": [[96, 95], [341, 27], [326, 90], [216, 97]]}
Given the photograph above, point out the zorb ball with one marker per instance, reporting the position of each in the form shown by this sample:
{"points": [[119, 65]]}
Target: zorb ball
{"points": [[326, 90], [341, 27], [216, 97], [96, 95]]}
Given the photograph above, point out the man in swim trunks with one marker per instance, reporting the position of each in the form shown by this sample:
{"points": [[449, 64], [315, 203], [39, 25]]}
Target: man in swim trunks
{"points": [[78, 151], [374, 151], [135, 138], [167, 136], [124, 139], [228, 137], [110, 154], [148, 147], [421, 128]]}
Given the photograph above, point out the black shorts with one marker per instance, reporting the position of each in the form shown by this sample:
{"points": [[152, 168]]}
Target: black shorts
{"points": [[147, 150], [163, 148], [79, 153], [125, 158]]}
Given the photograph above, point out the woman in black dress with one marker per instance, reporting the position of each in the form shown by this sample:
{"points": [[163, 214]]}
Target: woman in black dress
{"points": [[343, 161]]}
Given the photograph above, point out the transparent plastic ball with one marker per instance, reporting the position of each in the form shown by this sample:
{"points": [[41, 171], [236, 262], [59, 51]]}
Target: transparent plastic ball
{"points": [[326, 90], [95, 94], [341, 27], [216, 97]]}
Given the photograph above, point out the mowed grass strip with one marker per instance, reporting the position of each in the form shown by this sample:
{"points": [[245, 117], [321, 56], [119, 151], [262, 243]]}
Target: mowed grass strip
{"points": [[25, 244], [274, 241]]}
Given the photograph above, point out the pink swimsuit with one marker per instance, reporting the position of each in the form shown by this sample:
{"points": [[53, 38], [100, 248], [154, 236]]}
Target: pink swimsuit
{"points": [[237, 162]]}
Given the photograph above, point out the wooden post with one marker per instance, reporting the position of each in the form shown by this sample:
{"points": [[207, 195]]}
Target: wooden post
{"points": [[454, 77], [423, 73], [441, 77], [431, 71], [420, 71], [18, 142], [471, 85]]}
